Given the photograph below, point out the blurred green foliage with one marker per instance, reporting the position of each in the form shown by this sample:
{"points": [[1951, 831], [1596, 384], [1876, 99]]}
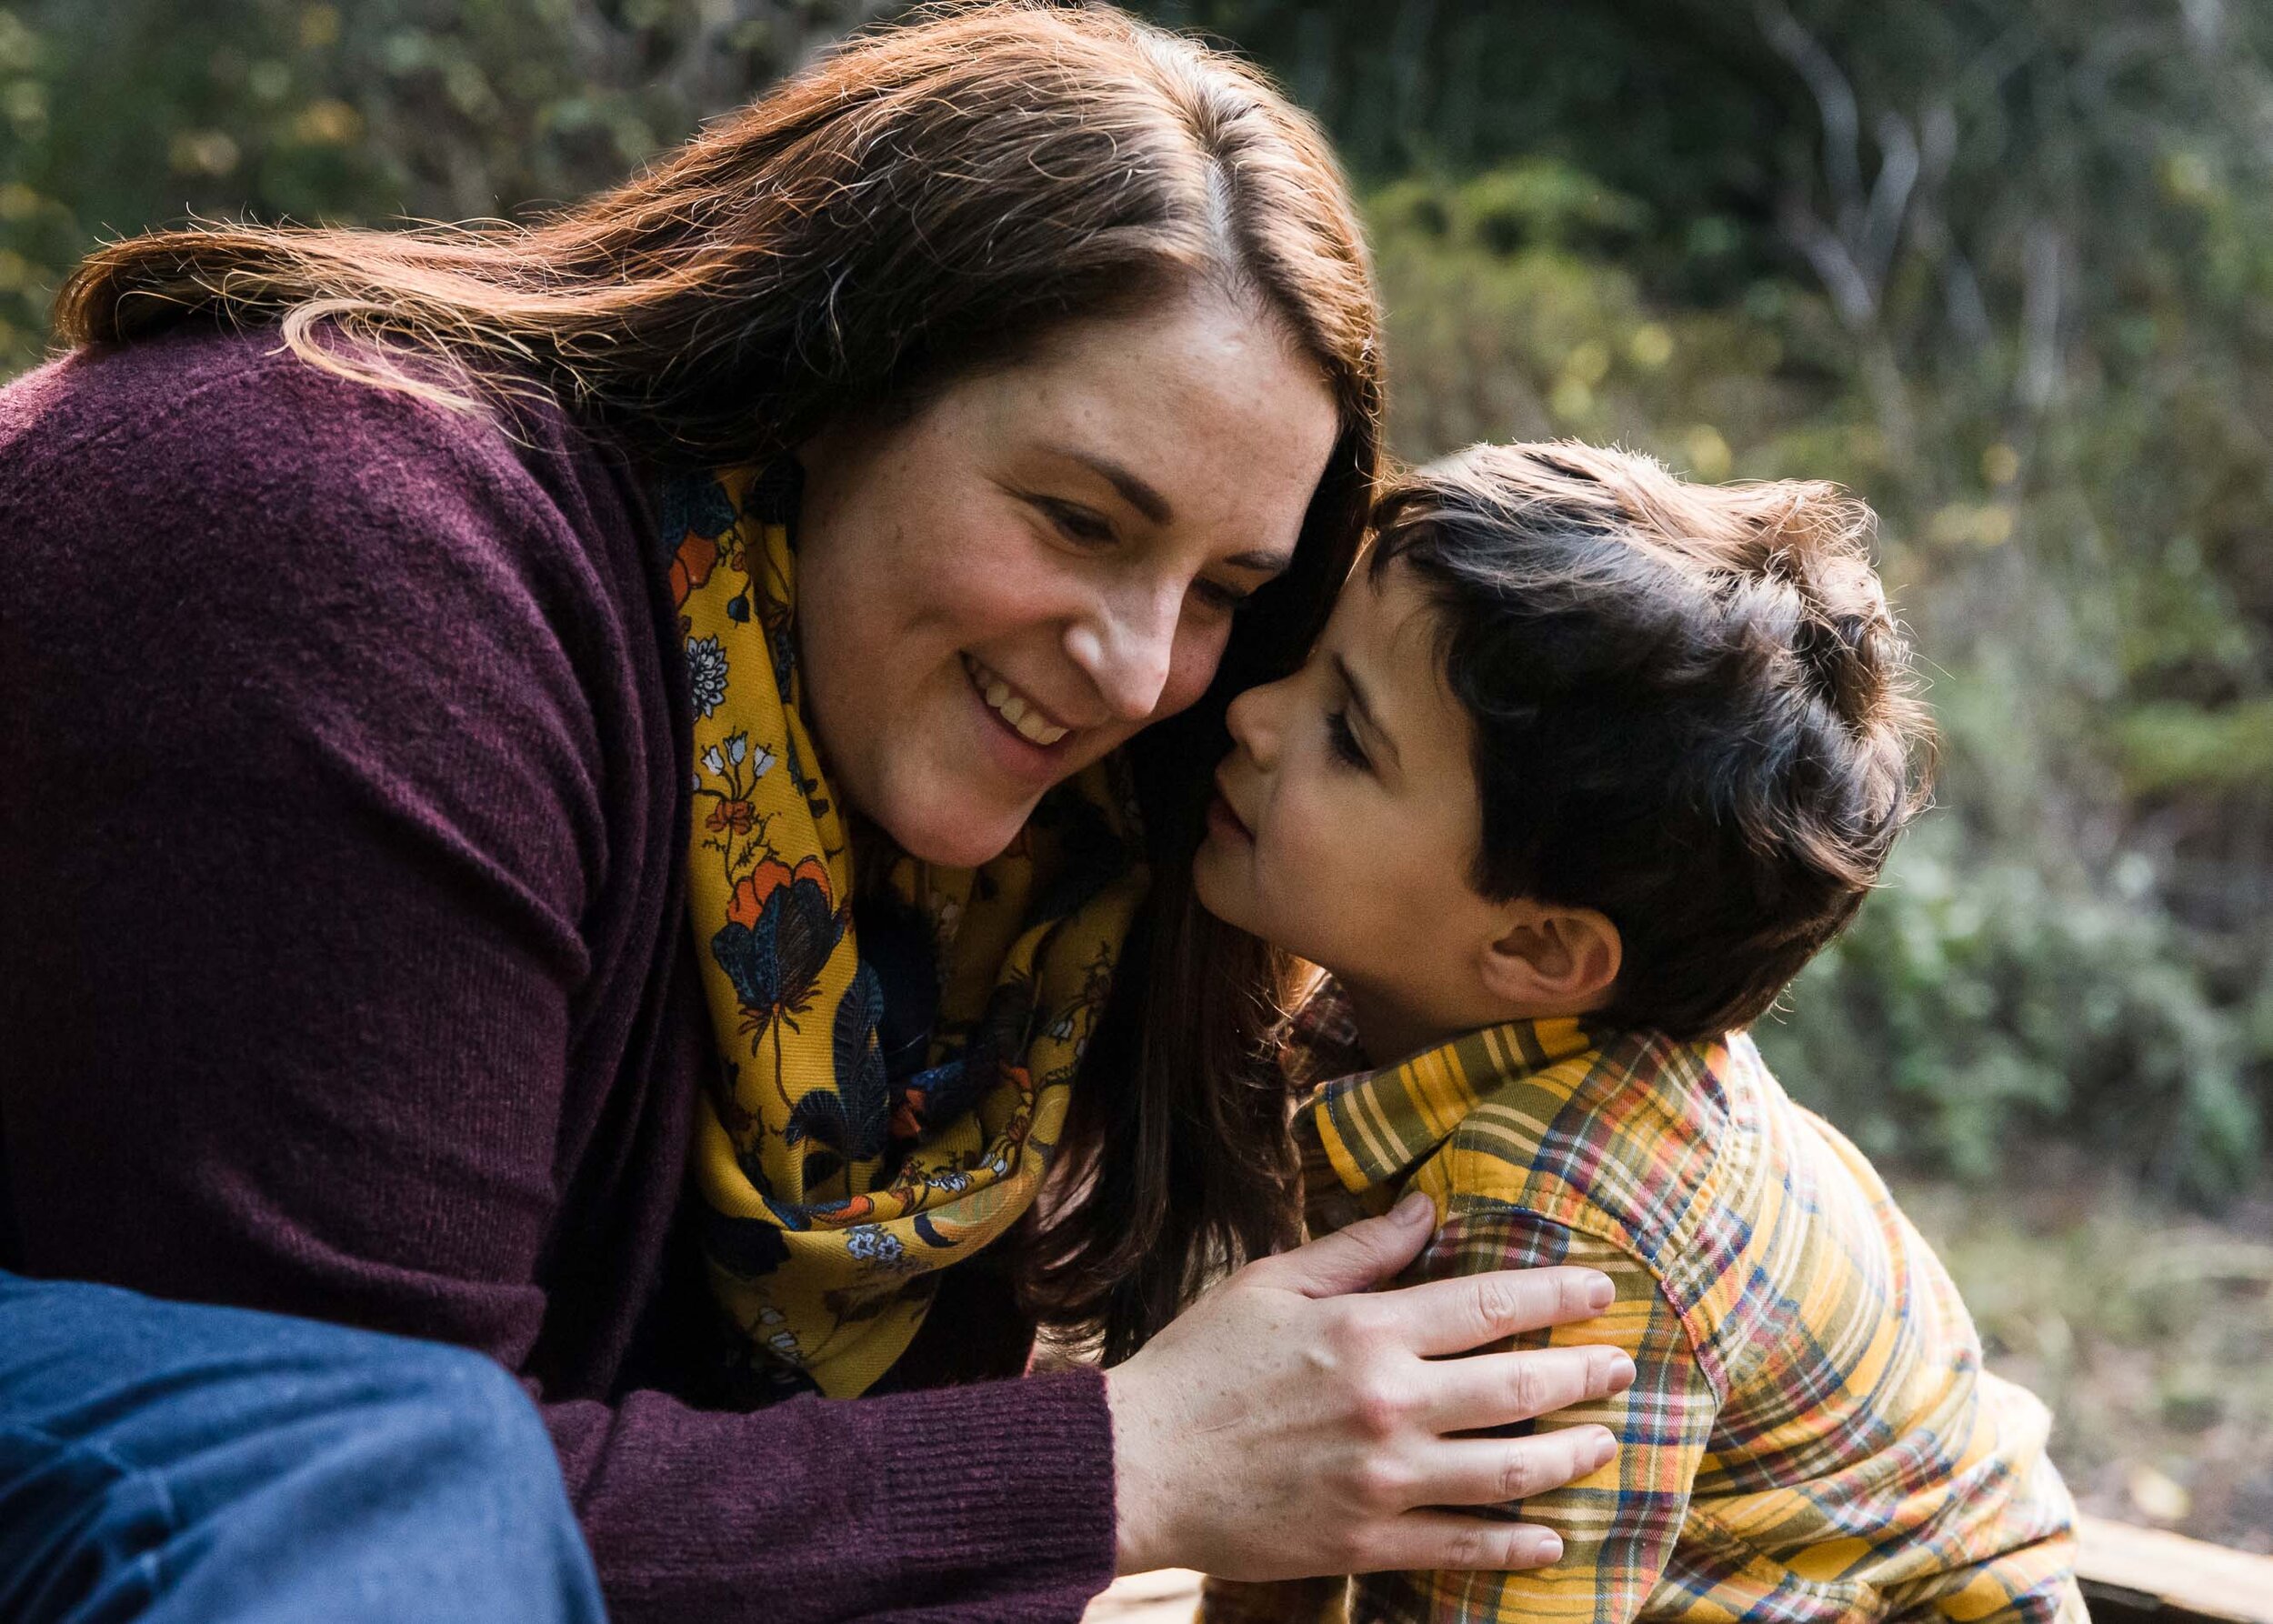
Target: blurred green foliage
{"points": [[2002, 267], [119, 114]]}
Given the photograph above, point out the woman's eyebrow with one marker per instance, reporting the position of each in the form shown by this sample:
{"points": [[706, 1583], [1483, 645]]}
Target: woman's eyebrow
{"points": [[1134, 490], [1262, 560], [1148, 500], [1364, 708]]}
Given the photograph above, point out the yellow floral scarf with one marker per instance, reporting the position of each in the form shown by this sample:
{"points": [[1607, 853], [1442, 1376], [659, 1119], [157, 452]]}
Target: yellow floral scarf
{"points": [[837, 1184]]}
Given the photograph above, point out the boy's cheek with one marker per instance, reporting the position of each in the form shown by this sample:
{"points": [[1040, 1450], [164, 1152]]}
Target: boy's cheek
{"points": [[1237, 890], [1218, 892]]}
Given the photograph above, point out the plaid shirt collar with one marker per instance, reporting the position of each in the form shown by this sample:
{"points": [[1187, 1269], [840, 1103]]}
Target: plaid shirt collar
{"points": [[1371, 1126]]}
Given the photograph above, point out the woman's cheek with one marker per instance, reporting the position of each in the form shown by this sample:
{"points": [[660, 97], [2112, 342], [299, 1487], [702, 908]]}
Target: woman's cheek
{"points": [[991, 576], [1199, 651]]}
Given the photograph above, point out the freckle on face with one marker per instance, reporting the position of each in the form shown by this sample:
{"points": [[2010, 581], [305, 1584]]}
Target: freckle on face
{"points": [[922, 549]]}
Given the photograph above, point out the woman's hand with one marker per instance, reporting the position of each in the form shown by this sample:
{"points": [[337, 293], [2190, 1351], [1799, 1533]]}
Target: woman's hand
{"points": [[1290, 1423]]}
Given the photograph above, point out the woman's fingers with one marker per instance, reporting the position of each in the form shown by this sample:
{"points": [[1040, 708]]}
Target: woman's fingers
{"points": [[1491, 1390], [1351, 1259], [1453, 1315], [1440, 1315], [1500, 1472], [1486, 1472], [1292, 1423], [1420, 1540]]}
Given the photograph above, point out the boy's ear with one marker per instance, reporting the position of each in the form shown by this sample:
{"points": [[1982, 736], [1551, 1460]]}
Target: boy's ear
{"points": [[1553, 961]]}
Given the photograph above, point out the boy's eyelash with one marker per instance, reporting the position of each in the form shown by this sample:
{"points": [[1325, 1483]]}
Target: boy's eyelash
{"points": [[1342, 741]]}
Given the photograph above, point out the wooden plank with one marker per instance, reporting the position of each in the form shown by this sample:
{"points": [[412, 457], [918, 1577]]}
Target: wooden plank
{"points": [[2130, 1576], [1169, 1596], [2131, 1572]]}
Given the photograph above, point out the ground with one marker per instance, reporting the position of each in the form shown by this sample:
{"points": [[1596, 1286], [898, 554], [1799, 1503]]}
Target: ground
{"points": [[2147, 1329]]}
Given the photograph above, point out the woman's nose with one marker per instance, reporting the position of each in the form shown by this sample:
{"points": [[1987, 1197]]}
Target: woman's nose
{"points": [[1127, 648]]}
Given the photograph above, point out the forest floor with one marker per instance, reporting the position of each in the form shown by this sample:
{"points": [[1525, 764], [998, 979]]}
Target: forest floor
{"points": [[2147, 1329]]}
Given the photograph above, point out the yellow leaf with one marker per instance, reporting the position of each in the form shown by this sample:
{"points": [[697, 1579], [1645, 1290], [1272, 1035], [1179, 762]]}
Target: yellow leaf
{"points": [[2158, 1497]]}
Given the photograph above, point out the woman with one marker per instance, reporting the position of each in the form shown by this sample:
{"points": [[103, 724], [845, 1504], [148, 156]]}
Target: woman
{"points": [[358, 828]]}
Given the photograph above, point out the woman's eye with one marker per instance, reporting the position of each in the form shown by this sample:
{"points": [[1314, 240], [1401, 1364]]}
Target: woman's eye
{"points": [[1219, 597], [1343, 742], [1078, 524]]}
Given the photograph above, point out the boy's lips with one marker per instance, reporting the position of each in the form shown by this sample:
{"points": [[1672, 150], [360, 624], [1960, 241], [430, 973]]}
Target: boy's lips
{"points": [[1223, 816]]}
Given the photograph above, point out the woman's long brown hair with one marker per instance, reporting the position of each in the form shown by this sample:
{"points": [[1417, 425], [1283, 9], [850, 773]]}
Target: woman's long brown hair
{"points": [[933, 197]]}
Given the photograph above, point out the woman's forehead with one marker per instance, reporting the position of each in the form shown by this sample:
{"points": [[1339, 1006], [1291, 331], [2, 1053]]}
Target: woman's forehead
{"points": [[1201, 414]]}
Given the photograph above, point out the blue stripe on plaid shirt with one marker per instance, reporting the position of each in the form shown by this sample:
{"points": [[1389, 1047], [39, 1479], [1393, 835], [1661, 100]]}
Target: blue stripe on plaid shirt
{"points": [[1809, 1437]]}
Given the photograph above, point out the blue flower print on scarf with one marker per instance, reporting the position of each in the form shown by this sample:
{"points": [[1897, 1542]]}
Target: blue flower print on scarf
{"points": [[853, 1121], [696, 505], [782, 925]]}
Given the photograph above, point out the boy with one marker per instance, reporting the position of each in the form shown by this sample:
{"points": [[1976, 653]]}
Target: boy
{"points": [[1587, 764]]}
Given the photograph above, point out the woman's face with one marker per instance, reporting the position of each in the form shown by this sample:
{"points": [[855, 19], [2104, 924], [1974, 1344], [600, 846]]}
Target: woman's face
{"points": [[995, 592]]}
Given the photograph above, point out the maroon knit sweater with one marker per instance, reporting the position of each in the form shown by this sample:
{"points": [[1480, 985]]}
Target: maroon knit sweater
{"points": [[344, 968]]}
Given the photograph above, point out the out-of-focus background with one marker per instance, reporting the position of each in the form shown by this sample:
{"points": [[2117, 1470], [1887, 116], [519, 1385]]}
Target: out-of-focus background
{"points": [[2004, 266]]}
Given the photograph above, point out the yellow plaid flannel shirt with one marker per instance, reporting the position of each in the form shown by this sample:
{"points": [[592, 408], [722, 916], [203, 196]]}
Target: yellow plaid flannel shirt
{"points": [[1809, 1437]]}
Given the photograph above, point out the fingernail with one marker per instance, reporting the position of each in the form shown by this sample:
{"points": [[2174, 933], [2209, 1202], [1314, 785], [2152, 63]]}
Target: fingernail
{"points": [[1618, 1372], [1599, 1455], [1600, 1292], [1409, 1210], [1549, 1549]]}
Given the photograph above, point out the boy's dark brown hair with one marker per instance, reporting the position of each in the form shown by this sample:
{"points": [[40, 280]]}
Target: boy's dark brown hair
{"points": [[1692, 707]]}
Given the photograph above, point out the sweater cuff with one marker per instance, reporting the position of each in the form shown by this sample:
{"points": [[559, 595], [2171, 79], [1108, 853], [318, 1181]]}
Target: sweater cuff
{"points": [[1007, 1490]]}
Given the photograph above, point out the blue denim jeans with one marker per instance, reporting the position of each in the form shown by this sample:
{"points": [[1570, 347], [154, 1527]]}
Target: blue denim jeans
{"points": [[168, 1462]]}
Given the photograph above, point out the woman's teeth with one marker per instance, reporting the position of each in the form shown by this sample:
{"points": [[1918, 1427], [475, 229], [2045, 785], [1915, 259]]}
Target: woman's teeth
{"points": [[1013, 709]]}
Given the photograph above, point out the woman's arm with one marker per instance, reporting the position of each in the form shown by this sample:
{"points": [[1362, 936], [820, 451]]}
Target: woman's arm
{"points": [[313, 823]]}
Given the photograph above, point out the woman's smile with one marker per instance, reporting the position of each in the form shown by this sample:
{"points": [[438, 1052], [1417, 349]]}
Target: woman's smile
{"points": [[1015, 709]]}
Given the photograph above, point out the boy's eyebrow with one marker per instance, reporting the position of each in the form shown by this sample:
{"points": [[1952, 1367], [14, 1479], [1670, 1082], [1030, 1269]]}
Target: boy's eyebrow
{"points": [[1364, 708]]}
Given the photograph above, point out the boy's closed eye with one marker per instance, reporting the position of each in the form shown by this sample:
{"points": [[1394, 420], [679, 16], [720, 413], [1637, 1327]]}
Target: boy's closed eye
{"points": [[1356, 715]]}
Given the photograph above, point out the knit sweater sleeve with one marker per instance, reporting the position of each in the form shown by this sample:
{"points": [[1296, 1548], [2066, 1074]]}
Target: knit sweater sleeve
{"points": [[314, 706]]}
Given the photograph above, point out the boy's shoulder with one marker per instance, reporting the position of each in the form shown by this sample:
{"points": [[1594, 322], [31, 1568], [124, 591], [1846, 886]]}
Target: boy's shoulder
{"points": [[1630, 1141], [1676, 1152], [1626, 1136], [1757, 1220]]}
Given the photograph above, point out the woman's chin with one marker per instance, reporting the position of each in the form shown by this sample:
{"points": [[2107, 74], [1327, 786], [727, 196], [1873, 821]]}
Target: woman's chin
{"points": [[956, 835]]}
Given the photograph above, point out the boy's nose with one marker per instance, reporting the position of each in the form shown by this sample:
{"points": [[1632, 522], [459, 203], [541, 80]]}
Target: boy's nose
{"points": [[1253, 721]]}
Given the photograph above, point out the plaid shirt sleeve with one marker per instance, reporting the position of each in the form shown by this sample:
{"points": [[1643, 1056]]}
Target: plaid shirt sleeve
{"points": [[1619, 1526]]}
